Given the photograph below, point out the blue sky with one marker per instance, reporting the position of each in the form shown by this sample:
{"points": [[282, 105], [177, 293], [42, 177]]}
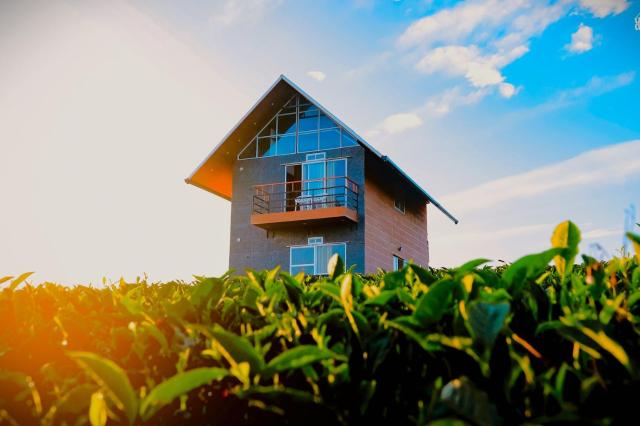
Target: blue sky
{"points": [[516, 114]]}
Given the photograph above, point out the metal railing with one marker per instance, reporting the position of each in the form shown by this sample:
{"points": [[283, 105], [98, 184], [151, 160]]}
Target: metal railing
{"points": [[305, 195]]}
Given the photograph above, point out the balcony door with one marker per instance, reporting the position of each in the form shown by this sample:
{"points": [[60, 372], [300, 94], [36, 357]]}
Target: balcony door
{"points": [[316, 184]]}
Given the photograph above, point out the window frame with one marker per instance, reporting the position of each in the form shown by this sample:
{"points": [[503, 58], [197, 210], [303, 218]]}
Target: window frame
{"points": [[287, 110], [397, 260], [315, 253], [399, 203]]}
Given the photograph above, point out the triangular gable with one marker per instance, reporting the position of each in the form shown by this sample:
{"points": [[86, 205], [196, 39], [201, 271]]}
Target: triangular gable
{"points": [[215, 173]]}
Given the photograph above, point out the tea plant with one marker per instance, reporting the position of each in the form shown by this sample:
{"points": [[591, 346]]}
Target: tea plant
{"points": [[523, 343]]}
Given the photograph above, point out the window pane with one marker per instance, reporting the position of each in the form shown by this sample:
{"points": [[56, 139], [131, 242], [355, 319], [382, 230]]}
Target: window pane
{"points": [[324, 253], [287, 144], [249, 151], [269, 130], [266, 147], [348, 140], [330, 139], [306, 269], [303, 101], [308, 118], [286, 123], [301, 255], [326, 122], [308, 142]]}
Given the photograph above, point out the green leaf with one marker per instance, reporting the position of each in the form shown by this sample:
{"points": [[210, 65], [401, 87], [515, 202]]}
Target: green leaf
{"points": [[382, 299], [335, 266], [98, 410], [434, 303], [330, 290], [635, 240], [471, 265], [609, 345], [208, 289], [239, 348], [300, 356], [486, 320], [567, 236], [112, 379], [466, 400], [176, 386], [529, 267]]}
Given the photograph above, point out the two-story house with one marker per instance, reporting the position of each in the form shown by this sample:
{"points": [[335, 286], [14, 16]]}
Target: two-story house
{"points": [[304, 186]]}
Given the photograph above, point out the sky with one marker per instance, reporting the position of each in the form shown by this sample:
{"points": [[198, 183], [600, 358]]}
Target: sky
{"points": [[514, 114]]}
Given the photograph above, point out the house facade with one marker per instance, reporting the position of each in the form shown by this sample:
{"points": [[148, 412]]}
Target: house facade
{"points": [[303, 186]]}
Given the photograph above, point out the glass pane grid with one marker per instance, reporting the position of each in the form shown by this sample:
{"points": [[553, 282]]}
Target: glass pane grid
{"points": [[298, 127]]}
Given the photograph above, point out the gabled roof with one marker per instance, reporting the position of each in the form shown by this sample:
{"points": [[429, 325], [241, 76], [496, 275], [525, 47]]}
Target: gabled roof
{"points": [[215, 173]]}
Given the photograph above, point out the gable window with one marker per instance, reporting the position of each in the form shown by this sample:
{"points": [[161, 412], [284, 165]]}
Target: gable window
{"points": [[298, 127], [313, 258], [398, 203], [398, 263]]}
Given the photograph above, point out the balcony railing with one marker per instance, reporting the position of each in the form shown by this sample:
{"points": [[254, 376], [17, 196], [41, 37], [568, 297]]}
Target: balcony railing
{"points": [[303, 200]]}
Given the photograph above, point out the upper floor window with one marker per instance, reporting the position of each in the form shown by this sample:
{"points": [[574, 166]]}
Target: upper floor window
{"points": [[298, 127], [313, 258], [398, 263], [398, 203]]}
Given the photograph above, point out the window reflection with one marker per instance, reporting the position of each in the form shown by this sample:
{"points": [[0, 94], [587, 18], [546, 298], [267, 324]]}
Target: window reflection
{"points": [[298, 127]]}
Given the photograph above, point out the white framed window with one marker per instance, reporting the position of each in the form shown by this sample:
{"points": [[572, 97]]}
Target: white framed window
{"points": [[398, 263], [313, 258], [315, 240], [316, 156]]}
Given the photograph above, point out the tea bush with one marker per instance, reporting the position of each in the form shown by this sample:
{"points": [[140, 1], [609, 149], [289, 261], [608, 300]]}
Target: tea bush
{"points": [[522, 343]]}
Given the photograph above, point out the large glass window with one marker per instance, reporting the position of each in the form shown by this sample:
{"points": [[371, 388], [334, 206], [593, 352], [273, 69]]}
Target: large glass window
{"points": [[313, 258], [298, 127]]}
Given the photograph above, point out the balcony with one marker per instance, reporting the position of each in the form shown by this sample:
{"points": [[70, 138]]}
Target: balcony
{"points": [[305, 202]]}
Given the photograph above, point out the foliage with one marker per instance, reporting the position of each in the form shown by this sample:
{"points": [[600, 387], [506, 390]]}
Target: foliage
{"points": [[521, 343]]}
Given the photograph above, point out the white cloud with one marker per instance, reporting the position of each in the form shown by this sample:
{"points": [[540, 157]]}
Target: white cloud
{"points": [[446, 101], [458, 22], [317, 75], [507, 90], [602, 8], [581, 40], [231, 12], [479, 69], [397, 123], [476, 39], [601, 166]]}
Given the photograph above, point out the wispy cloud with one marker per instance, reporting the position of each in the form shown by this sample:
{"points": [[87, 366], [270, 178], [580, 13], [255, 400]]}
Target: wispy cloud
{"points": [[608, 165], [602, 8], [496, 234], [396, 123], [229, 12], [596, 86], [317, 75], [581, 40]]}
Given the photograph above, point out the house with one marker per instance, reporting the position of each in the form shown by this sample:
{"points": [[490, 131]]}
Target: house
{"points": [[304, 186]]}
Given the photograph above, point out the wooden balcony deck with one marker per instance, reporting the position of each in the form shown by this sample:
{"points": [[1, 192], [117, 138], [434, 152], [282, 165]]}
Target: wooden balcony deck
{"points": [[316, 201]]}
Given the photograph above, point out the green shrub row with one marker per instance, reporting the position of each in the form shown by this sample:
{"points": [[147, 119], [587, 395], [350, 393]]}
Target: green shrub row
{"points": [[523, 343]]}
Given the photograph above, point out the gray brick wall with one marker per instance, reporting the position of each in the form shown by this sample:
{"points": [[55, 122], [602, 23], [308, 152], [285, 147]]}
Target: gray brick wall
{"points": [[251, 248]]}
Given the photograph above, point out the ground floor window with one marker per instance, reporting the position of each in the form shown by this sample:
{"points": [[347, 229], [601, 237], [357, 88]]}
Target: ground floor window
{"points": [[398, 263], [314, 257]]}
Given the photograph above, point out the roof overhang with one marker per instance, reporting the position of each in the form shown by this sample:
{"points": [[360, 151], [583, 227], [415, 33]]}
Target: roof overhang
{"points": [[215, 173]]}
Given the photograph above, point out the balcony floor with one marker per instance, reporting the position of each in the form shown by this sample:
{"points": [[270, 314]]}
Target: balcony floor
{"points": [[304, 217]]}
